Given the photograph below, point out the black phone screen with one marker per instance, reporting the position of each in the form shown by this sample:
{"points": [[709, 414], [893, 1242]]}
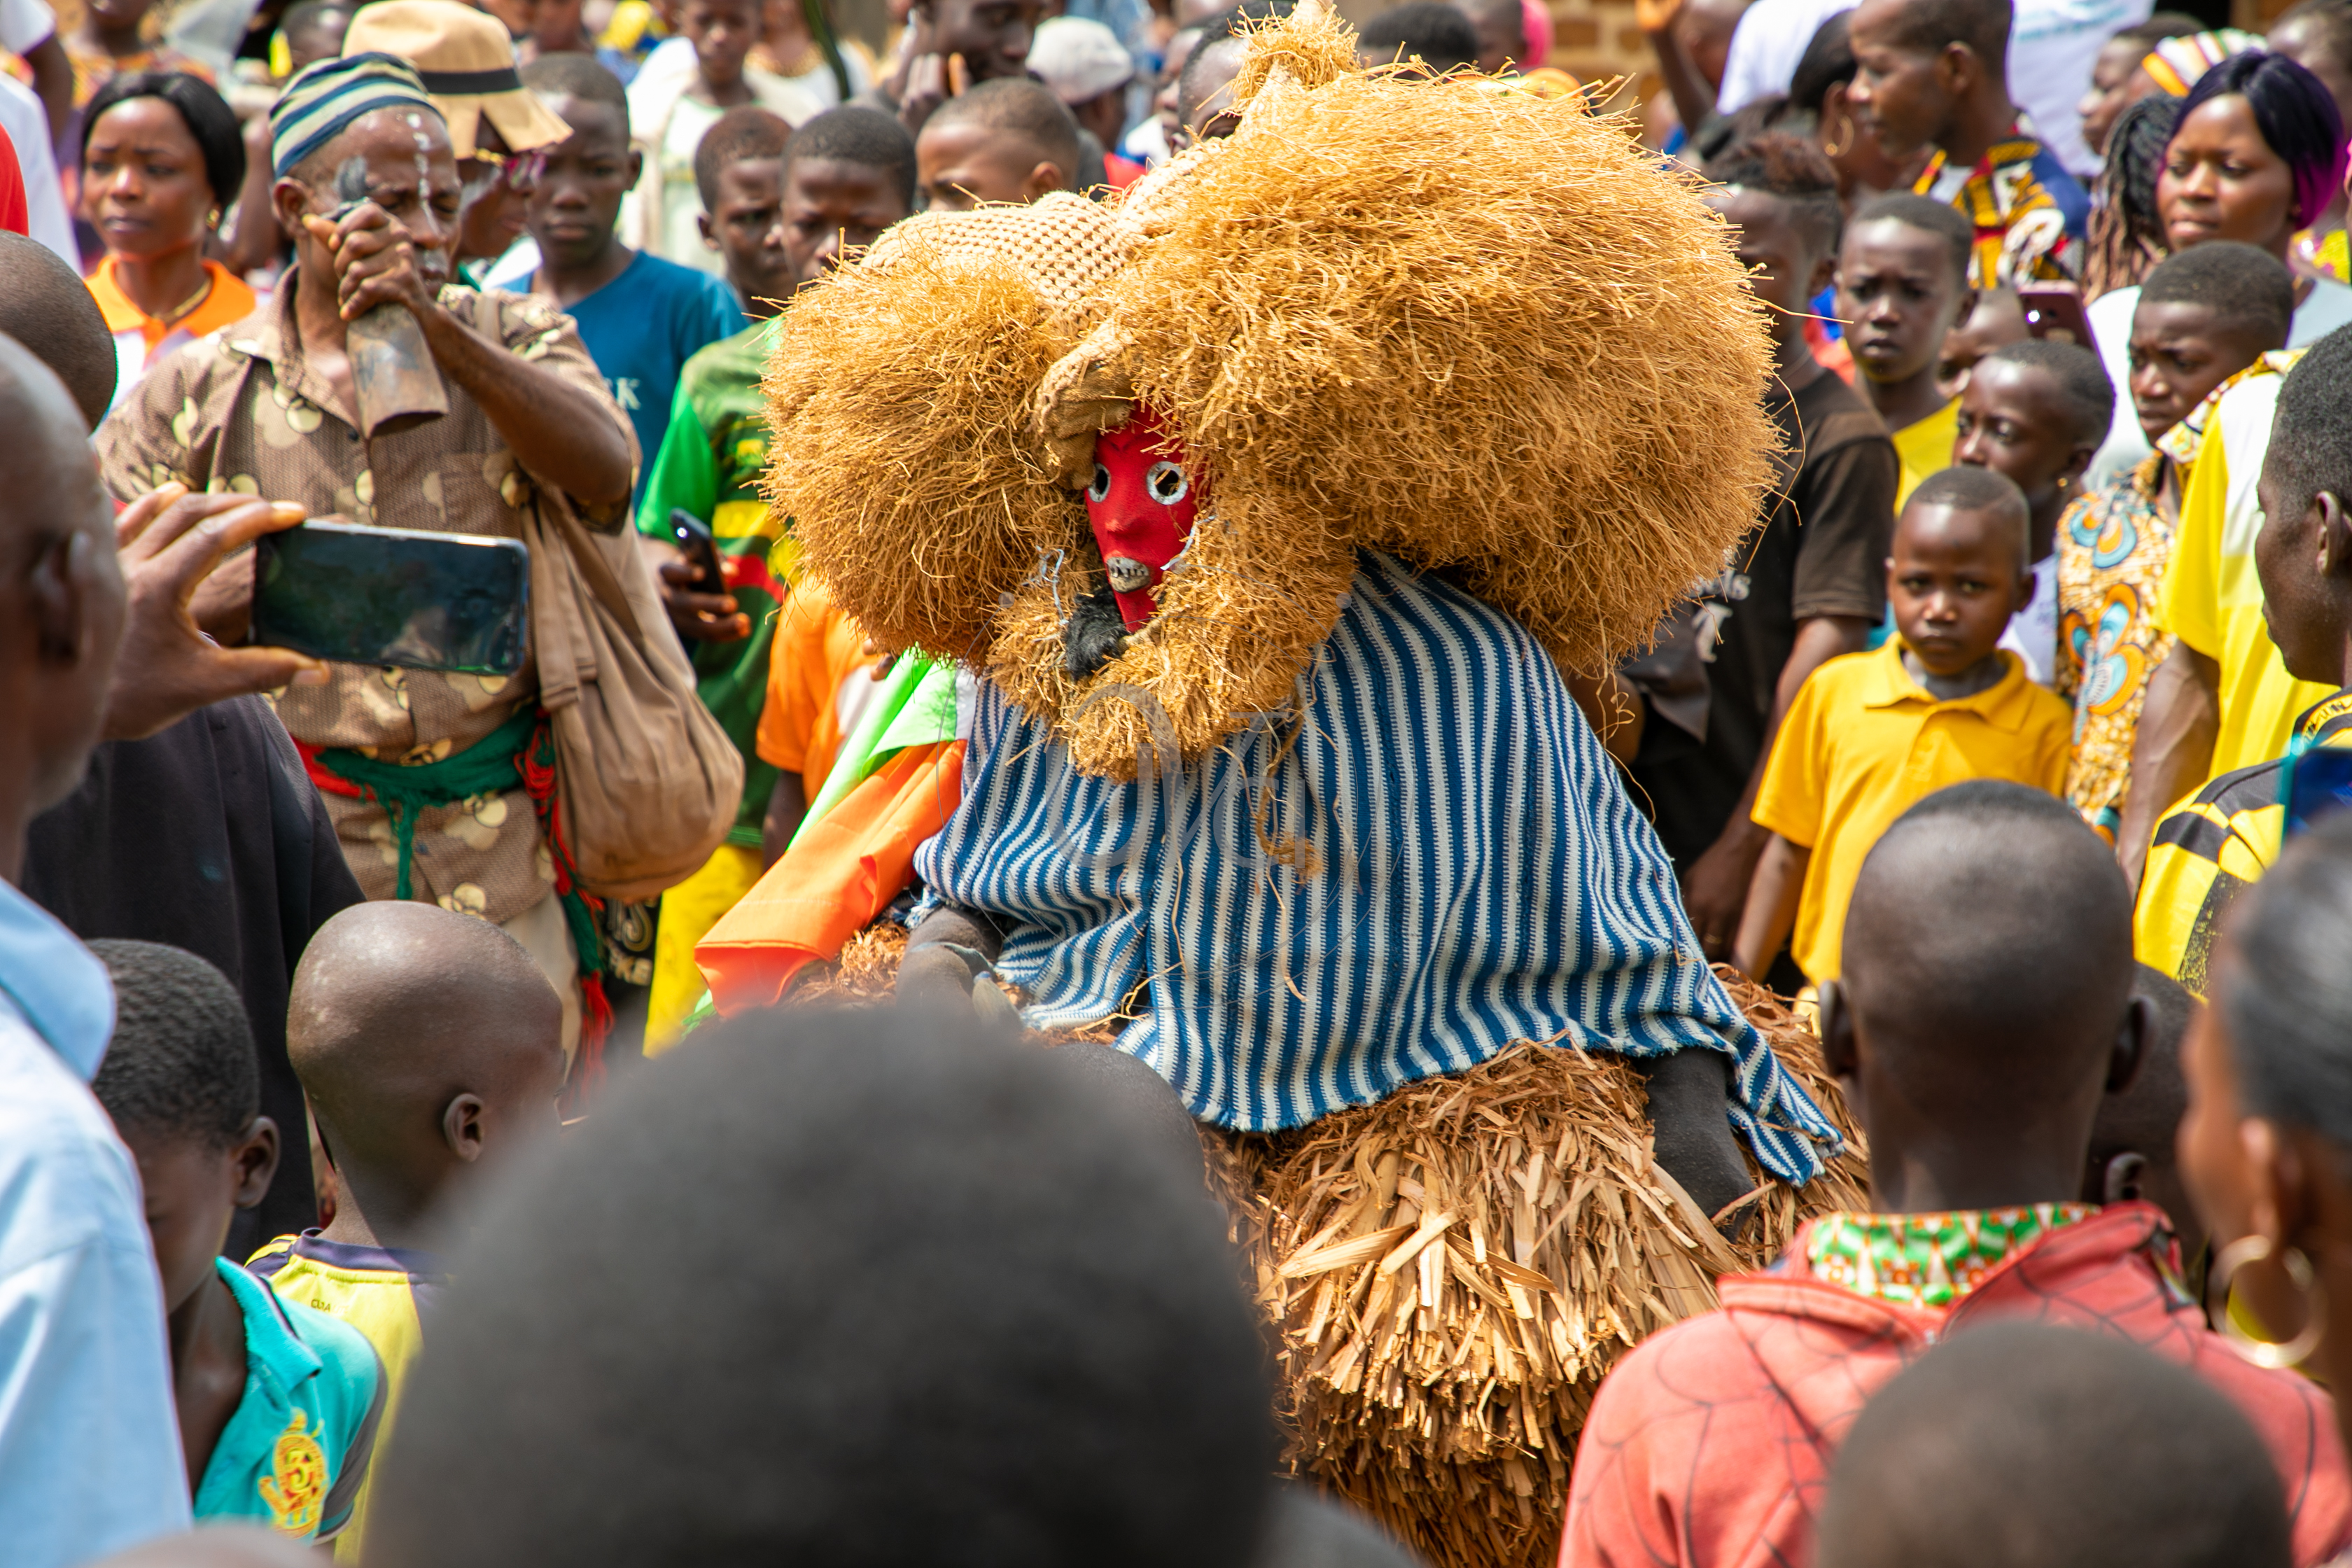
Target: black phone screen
{"points": [[693, 537], [391, 596]]}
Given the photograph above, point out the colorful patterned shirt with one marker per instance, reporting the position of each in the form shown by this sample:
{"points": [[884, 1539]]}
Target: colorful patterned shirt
{"points": [[241, 409], [1928, 1260], [2112, 547], [2031, 216], [709, 465]]}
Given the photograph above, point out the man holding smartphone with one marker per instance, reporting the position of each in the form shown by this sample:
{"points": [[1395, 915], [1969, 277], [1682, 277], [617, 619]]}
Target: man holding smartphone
{"points": [[271, 406]]}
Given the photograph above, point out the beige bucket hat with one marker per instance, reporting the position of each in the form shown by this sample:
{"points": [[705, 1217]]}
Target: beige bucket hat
{"points": [[468, 64]]}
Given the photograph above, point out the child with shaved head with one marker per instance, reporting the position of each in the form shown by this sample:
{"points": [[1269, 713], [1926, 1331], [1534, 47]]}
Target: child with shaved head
{"points": [[428, 1042], [1986, 1011]]}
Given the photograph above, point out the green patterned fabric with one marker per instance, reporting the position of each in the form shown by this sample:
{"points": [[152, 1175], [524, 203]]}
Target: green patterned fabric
{"points": [[1928, 1260]]}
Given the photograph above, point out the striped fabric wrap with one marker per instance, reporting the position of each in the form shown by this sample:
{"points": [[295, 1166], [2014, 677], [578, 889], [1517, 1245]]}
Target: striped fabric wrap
{"points": [[1427, 858], [321, 103]]}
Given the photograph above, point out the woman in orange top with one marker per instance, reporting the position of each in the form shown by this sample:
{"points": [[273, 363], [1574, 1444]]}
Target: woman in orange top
{"points": [[161, 156]]}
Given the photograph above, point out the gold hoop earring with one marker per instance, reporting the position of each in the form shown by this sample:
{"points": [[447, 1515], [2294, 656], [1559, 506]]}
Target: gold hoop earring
{"points": [[1846, 129], [2277, 1354]]}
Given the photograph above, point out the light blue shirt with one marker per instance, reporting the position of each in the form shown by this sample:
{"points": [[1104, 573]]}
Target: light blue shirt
{"points": [[89, 1443]]}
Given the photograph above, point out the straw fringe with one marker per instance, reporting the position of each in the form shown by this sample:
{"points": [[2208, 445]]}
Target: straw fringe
{"points": [[1475, 330], [1451, 1271], [899, 406]]}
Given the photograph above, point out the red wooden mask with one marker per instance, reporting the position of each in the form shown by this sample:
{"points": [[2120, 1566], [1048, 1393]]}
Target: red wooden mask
{"points": [[1142, 505]]}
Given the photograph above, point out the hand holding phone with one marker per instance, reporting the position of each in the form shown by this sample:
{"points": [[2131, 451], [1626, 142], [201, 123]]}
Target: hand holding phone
{"points": [[399, 597], [694, 589], [169, 545]]}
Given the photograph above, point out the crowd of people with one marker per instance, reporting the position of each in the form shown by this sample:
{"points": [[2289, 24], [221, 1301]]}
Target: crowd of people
{"points": [[341, 1209]]}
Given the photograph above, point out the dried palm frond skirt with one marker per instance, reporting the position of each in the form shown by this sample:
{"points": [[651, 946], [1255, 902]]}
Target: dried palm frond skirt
{"points": [[1452, 1270]]}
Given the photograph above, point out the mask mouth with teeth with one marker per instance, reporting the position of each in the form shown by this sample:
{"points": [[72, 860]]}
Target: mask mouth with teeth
{"points": [[1140, 506]]}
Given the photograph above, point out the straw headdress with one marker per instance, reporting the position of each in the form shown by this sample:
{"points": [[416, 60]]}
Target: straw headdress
{"points": [[1479, 331]]}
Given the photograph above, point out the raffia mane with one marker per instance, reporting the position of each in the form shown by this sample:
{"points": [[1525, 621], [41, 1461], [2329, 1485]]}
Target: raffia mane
{"points": [[1478, 330]]}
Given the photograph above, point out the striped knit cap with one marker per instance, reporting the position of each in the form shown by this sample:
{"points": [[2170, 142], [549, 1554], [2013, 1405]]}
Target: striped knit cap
{"points": [[325, 98]]}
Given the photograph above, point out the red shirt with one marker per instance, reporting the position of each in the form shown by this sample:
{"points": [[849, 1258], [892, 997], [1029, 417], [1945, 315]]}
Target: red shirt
{"points": [[14, 215], [1710, 1444]]}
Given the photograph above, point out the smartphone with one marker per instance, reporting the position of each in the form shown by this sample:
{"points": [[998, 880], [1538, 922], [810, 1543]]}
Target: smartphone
{"points": [[355, 595], [2054, 311], [692, 535], [2318, 783]]}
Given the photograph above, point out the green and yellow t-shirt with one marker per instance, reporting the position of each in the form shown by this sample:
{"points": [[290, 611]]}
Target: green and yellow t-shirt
{"points": [[2212, 598], [709, 465], [2217, 844], [295, 1452], [374, 1290]]}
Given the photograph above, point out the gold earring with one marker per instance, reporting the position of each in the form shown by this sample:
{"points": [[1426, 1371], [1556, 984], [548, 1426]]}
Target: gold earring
{"points": [[1845, 131], [2275, 1354]]}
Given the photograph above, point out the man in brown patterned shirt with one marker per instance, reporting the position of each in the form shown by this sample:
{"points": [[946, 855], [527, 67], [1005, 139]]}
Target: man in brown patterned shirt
{"points": [[265, 406]]}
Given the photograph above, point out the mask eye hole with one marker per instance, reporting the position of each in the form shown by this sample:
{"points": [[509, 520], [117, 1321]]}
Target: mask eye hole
{"points": [[1166, 483], [1098, 491]]}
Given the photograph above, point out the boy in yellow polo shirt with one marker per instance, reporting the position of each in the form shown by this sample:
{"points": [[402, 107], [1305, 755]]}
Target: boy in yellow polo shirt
{"points": [[1871, 732]]}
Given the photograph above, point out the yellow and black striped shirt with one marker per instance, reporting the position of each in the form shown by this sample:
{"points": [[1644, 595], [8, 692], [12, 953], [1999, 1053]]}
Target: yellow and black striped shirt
{"points": [[2213, 847]]}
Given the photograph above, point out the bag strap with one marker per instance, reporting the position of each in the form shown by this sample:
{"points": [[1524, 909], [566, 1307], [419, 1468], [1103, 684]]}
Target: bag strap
{"points": [[595, 571]]}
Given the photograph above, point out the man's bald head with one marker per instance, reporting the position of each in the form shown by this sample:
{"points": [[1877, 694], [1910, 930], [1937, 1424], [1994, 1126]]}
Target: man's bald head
{"points": [[62, 596], [46, 308], [1988, 954], [399, 1010]]}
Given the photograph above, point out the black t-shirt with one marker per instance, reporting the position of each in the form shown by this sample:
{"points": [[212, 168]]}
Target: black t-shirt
{"points": [[1821, 550], [208, 836]]}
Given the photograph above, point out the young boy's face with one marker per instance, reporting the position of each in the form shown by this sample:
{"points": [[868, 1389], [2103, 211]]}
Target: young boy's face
{"points": [[192, 1190], [1954, 579], [1906, 93], [832, 207], [1899, 295], [961, 164], [722, 32], [747, 227], [2180, 352], [2014, 421], [573, 208], [1785, 266]]}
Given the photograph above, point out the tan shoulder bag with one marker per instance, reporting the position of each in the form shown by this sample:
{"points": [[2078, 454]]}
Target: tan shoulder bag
{"points": [[648, 782]]}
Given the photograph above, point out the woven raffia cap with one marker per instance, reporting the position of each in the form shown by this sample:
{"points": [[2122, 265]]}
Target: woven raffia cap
{"points": [[1064, 244]]}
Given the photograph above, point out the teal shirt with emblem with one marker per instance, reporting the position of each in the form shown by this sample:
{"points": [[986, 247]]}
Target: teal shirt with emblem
{"points": [[297, 1447]]}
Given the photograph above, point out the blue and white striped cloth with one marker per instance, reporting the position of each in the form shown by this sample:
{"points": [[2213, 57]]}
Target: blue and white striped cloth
{"points": [[1430, 860]]}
